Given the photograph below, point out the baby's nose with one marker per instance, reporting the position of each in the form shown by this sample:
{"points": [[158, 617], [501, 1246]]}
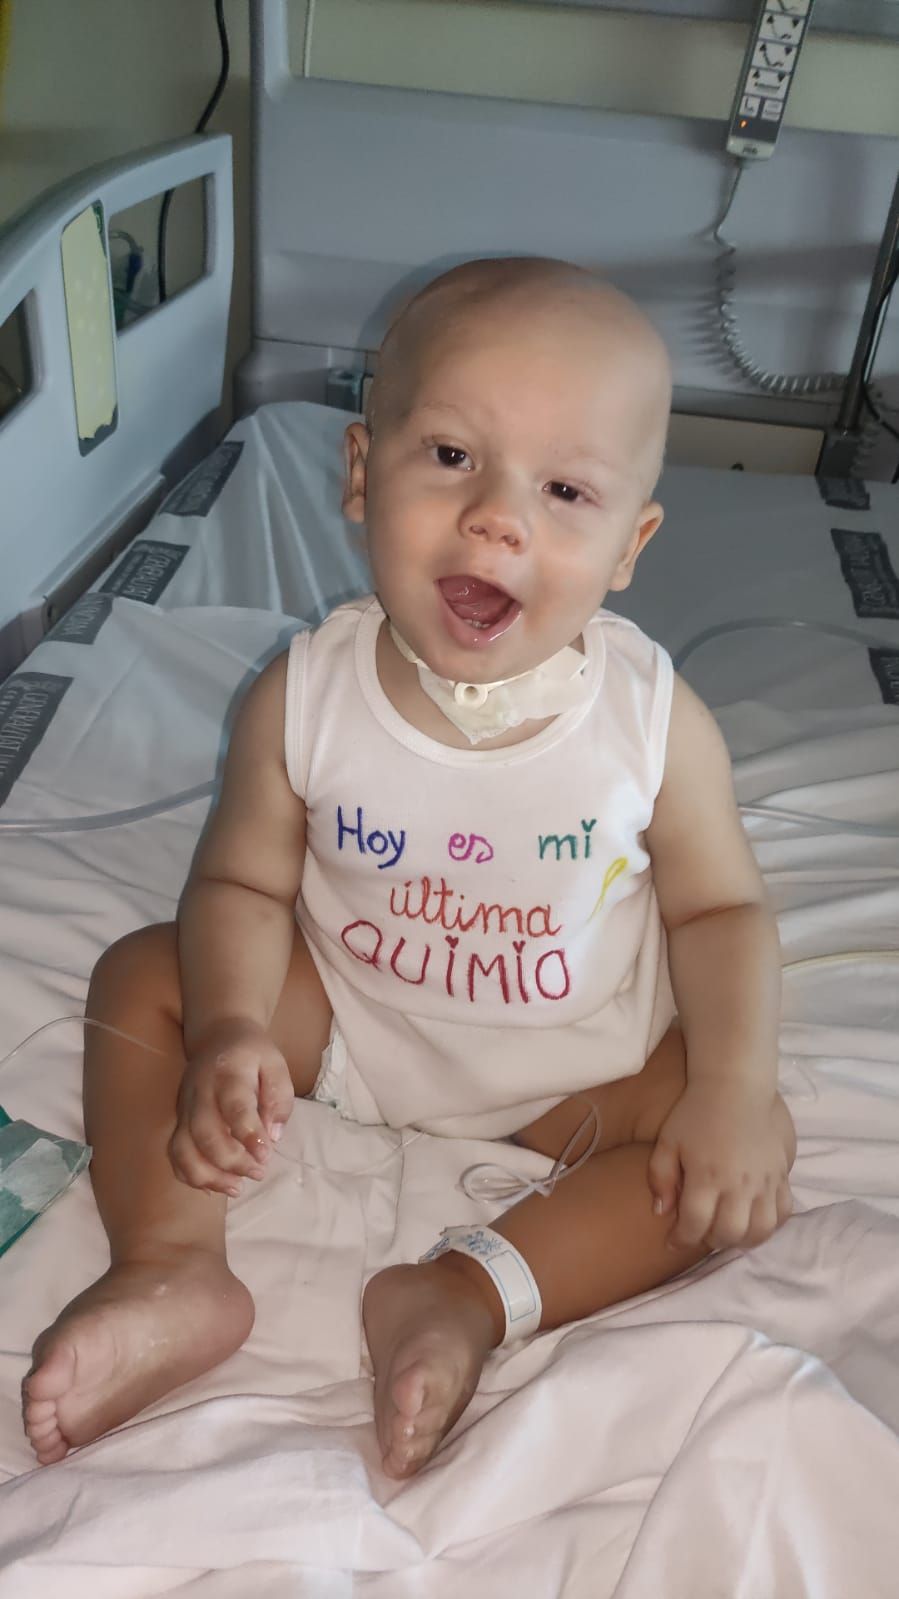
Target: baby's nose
{"points": [[498, 517]]}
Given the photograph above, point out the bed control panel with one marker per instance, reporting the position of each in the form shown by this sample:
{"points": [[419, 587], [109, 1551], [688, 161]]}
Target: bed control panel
{"points": [[766, 76]]}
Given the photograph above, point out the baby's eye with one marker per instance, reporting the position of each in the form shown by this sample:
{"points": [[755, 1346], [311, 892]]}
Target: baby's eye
{"points": [[451, 455], [564, 491]]}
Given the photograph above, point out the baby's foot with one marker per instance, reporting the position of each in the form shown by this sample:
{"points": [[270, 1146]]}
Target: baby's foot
{"points": [[138, 1332], [429, 1329]]}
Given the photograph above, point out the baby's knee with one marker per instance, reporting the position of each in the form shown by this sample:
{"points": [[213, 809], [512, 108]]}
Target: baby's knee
{"points": [[145, 960]]}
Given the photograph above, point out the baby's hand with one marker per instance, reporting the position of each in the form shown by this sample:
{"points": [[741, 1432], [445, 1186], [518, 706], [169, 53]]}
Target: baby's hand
{"points": [[722, 1160], [235, 1096]]}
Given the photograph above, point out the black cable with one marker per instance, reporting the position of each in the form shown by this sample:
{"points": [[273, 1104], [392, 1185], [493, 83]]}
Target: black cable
{"points": [[879, 417], [876, 329], [209, 108], [877, 324]]}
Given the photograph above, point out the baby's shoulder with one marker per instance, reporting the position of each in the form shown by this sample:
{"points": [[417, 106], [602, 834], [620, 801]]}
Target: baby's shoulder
{"points": [[262, 707], [623, 642], [332, 637], [345, 618]]}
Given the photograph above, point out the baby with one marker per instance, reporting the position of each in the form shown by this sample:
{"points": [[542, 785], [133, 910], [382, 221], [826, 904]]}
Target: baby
{"points": [[476, 868]]}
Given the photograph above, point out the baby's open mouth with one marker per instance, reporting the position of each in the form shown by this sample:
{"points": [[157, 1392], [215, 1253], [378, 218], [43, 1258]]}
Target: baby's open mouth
{"points": [[475, 601]]}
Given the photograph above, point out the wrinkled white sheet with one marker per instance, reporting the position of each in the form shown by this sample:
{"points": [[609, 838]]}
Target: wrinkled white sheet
{"points": [[733, 545], [732, 1434]]}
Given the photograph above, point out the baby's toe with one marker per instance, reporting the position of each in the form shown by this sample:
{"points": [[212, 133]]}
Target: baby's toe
{"points": [[409, 1450], [37, 1411], [38, 1431], [408, 1393], [420, 1417], [48, 1454], [41, 1422]]}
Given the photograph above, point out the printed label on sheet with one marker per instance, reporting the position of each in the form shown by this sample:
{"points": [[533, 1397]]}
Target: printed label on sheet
{"points": [[201, 488], [146, 570], [844, 493], [869, 575], [83, 622], [28, 703]]}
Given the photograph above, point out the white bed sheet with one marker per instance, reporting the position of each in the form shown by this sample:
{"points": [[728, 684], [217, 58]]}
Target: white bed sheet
{"points": [[734, 1433], [733, 545]]}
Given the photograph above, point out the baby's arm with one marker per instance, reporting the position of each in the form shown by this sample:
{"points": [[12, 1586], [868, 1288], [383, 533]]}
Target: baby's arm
{"points": [[235, 936], [723, 1156]]}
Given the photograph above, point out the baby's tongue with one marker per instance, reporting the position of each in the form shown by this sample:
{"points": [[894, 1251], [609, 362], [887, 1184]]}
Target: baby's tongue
{"points": [[472, 599]]}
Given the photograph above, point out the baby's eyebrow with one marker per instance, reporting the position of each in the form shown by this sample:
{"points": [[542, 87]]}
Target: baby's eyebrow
{"points": [[573, 456], [437, 405]]}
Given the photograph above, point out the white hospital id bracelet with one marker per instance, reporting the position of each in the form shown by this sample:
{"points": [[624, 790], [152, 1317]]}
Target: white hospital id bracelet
{"points": [[511, 1274]]}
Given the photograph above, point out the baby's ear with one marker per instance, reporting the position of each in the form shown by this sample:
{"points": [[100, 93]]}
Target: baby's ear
{"points": [[648, 523], [356, 442]]}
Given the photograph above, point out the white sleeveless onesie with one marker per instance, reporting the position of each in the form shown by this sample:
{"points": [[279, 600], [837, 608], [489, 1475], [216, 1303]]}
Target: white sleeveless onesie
{"points": [[483, 921]]}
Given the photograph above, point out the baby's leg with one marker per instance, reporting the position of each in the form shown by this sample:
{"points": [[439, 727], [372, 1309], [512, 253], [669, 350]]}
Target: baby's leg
{"points": [[168, 1308], [591, 1243]]}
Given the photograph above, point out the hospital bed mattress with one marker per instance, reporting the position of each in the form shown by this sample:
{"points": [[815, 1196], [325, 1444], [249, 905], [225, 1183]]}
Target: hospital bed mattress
{"points": [[259, 525], [733, 1432]]}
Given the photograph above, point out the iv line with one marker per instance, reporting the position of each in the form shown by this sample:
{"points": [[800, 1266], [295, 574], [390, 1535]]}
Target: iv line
{"points": [[89, 824], [107, 1027], [483, 1182], [754, 623], [16, 826]]}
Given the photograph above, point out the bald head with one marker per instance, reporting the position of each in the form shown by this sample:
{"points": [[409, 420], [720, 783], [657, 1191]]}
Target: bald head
{"points": [[529, 293]]}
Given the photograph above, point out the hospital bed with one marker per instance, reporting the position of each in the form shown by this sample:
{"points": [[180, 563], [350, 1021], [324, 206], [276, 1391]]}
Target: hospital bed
{"points": [[731, 1433]]}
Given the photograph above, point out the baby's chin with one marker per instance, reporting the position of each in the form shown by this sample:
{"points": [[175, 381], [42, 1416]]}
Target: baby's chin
{"points": [[493, 667], [463, 655]]}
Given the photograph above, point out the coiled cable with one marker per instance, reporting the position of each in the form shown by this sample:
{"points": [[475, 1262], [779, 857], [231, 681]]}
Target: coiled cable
{"points": [[725, 278]]}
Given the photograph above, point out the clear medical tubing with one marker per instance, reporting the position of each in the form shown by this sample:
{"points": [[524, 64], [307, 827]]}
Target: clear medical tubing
{"points": [[747, 624], [835, 630], [90, 824], [493, 1184], [14, 826]]}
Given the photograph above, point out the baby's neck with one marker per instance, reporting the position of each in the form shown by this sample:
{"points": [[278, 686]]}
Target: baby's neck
{"points": [[400, 682]]}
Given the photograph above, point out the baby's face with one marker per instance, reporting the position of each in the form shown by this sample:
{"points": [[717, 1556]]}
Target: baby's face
{"points": [[507, 492]]}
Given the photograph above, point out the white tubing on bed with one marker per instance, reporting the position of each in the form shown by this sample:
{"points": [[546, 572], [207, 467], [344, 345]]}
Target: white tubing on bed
{"points": [[831, 824], [487, 1183], [131, 1038], [495, 1185], [89, 824], [77, 824], [760, 623], [171, 802], [490, 1183]]}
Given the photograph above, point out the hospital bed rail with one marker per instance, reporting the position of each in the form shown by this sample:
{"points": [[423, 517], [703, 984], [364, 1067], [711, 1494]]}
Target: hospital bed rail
{"points": [[65, 513]]}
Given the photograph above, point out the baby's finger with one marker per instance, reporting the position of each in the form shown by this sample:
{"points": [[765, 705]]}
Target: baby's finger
{"points": [[238, 1108], [784, 1201], [731, 1223], [762, 1220], [276, 1095], [190, 1167], [695, 1213], [214, 1140], [663, 1174]]}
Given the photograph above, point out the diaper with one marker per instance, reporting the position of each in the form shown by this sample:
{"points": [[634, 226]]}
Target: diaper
{"points": [[340, 1084]]}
